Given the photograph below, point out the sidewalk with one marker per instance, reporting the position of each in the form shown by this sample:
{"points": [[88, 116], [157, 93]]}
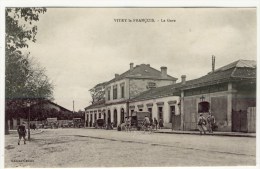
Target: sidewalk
{"points": [[216, 133]]}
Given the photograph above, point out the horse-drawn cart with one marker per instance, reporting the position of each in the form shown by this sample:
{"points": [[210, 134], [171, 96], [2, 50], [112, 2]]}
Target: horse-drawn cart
{"points": [[100, 123]]}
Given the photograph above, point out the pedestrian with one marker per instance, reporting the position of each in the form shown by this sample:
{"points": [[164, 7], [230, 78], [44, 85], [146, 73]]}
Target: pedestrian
{"points": [[127, 123], [33, 126], [151, 123], [146, 123], [211, 123], [109, 123], [202, 124], [21, 132], [160, 123], [155, 123]]}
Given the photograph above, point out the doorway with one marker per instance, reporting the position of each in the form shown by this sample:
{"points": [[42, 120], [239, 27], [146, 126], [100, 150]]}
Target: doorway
{"points": [[239, 121], [91, 122], [175, 119], [122, 115], [108, 117], [160, 113], [150, 110], [115, 118]]}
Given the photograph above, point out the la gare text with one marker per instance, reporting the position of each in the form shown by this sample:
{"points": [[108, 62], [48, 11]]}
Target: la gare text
{"points": [[143, 20]]}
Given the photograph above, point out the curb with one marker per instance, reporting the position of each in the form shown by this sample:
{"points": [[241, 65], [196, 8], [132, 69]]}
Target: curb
{"points": [[208, 134]]}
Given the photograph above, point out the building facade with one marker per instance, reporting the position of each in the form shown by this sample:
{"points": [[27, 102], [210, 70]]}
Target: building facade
{"points": [[40, 111], [122, 88], [228, 93]]}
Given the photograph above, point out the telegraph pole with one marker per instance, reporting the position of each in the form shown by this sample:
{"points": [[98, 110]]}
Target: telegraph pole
{"points": [[73, 106], [29, 134]]}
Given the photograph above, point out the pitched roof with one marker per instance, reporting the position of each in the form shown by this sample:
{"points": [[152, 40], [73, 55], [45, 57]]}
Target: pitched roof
{"points": [[100, 84], [238, 64], [50, 102], [238, 70], [142, 71], [98, 104], [164, 91]]}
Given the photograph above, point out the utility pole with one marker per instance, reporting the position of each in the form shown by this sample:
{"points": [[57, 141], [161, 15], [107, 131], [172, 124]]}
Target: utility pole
{"points": [[73, 106], [29, 134]]}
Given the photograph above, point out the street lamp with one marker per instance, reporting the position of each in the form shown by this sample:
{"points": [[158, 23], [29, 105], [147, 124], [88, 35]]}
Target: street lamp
{"points": [[202, 98], [29, 134]]}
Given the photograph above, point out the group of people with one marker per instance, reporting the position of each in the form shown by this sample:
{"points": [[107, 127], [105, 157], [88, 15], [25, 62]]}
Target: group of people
{"points": [[147, 122], [152, 123], [206, 124]]}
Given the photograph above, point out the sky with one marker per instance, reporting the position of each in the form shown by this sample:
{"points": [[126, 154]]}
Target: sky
{"points": [[81, 47]]}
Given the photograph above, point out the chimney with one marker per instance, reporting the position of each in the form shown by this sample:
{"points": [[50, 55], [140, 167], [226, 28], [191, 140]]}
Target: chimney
{"points": [[164, 71], [183, 79], [116, 75], [131, 66], [213, 63]]}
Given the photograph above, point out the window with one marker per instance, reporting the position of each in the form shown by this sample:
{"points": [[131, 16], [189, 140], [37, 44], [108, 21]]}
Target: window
{"points": [[151, 85], [108, 94], [115, 92], [123, 91], [99, 115]]}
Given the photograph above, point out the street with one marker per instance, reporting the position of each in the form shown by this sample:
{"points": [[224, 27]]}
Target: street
{"points": [[111, 148]]}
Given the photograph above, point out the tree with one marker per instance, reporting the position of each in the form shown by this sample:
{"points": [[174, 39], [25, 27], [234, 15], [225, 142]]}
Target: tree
{"points": [[25, 80]]}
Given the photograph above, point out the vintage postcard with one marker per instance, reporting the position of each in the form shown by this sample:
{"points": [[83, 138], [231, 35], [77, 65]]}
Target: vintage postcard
{"points": [[130, 87]]}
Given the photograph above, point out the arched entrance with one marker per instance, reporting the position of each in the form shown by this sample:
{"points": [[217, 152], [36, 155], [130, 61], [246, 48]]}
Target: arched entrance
{"points": [[122, 115], [91, 118], [108, 117], [87, 121], [115, 118], [104, 116]]}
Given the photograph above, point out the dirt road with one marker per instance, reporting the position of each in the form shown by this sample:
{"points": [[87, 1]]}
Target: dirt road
{"points": [[102, 148]]}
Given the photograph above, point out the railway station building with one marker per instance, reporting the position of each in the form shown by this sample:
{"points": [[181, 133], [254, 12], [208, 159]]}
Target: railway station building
{"points": [[229, 93]]}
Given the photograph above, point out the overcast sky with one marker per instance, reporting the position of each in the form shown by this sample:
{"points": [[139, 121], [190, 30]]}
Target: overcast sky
{"points": [[80, 47]]}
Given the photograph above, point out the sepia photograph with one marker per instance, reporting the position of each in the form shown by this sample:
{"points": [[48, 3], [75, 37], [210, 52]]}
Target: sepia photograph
{"points": [[130, 87]]}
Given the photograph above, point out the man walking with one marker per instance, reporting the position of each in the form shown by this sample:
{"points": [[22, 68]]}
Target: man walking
{"points": [[160, 123], [127, 124], [202, 124], [21, 132], [146, 123], [155, 123], [211, 122]]}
